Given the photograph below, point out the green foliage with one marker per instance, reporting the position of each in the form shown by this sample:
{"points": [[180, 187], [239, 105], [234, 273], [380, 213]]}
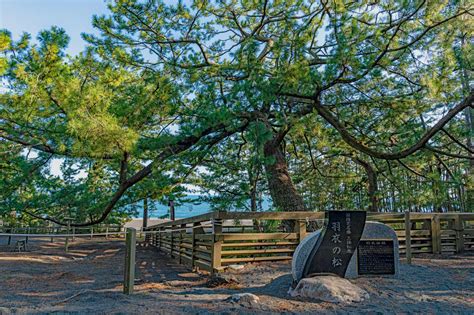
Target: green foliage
{"points": [[191, 93]]}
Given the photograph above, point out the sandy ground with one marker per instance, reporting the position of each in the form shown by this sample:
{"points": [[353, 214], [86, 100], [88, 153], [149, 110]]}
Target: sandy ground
{"points": [[88, 280]]}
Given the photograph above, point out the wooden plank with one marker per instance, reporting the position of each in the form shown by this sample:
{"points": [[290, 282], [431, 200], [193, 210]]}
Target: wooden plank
{"points": [[415, 239], [253, 259], [203, 257], [202, 250], [258, 236], [203, 265], [416, 245], [256, 251], [205, 237], [186, 259], [414, 233], [253, 244], [187, 246], [466, 216], [421, 251], [388, 221], [416, 251], [269, 215], [207, 244], [198, 218]]}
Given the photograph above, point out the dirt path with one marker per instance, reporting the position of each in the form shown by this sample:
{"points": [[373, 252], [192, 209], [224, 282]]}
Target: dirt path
{"points": [[88, 280]]}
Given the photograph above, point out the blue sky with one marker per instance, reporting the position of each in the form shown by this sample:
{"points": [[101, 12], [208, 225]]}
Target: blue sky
{"points": [[32, 16]]}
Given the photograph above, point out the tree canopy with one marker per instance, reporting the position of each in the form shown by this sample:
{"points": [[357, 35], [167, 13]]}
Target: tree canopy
{"points": [[318, 104]]}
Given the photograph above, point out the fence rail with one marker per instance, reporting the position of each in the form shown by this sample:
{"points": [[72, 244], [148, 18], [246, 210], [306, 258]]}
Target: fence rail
{"points": [[214, 240], [60, 232]]}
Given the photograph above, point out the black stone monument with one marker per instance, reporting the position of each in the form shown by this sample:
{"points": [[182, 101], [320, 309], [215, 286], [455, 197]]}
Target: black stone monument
{"points": [[339, 239]]}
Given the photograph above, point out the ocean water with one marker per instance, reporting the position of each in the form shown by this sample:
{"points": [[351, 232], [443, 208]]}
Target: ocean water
{"points": [[186, 209]]}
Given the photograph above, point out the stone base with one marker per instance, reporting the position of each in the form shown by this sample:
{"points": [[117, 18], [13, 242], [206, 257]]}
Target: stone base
{"points": [[329, 289]]}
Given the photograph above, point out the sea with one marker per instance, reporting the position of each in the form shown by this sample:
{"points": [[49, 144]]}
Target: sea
{"points": [[186, 209]]}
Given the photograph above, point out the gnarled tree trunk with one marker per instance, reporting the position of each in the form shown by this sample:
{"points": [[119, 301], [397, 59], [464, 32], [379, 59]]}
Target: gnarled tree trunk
{"points": [[282, 189], [371, 184]]}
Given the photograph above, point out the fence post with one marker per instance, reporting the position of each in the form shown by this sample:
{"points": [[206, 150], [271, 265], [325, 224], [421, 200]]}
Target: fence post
{"points": [[436, 234], [216, 245], [73, 233], [197, 229], [180, 248], [160, 234], [130, 247], [52, 232], [193, 244], [107, 233], [92, 232], [408, 237], [66, 243], [301, 229], [148, 237], [459, 228], [28, 233], [12, 231], [172, 240]]}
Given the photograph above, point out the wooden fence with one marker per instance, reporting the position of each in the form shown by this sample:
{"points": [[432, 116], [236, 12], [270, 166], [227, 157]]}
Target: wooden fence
{"points": [[104, 230], [214, 240]]}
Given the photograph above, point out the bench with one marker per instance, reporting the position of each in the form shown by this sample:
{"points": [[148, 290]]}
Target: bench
{"points": [[21, 246]]}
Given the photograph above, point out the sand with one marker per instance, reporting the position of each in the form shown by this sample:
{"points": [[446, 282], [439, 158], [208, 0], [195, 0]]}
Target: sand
{"points": [[88, 279]]}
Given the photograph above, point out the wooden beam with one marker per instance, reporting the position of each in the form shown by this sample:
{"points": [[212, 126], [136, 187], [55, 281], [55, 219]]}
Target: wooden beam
{"points": [[407, 237], [130, 247], [301, 229], [459, 228], [217, 245], [436, 234]]}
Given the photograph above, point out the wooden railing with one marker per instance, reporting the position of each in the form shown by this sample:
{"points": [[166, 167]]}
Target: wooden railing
{"points": [[103, 230], [213, 240]]}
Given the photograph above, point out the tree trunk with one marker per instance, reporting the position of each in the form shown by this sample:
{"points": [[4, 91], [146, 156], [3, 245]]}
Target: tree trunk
{"points": [[469, 120], [254, 174], [145, 212], [282, 189], [371, 184]]}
